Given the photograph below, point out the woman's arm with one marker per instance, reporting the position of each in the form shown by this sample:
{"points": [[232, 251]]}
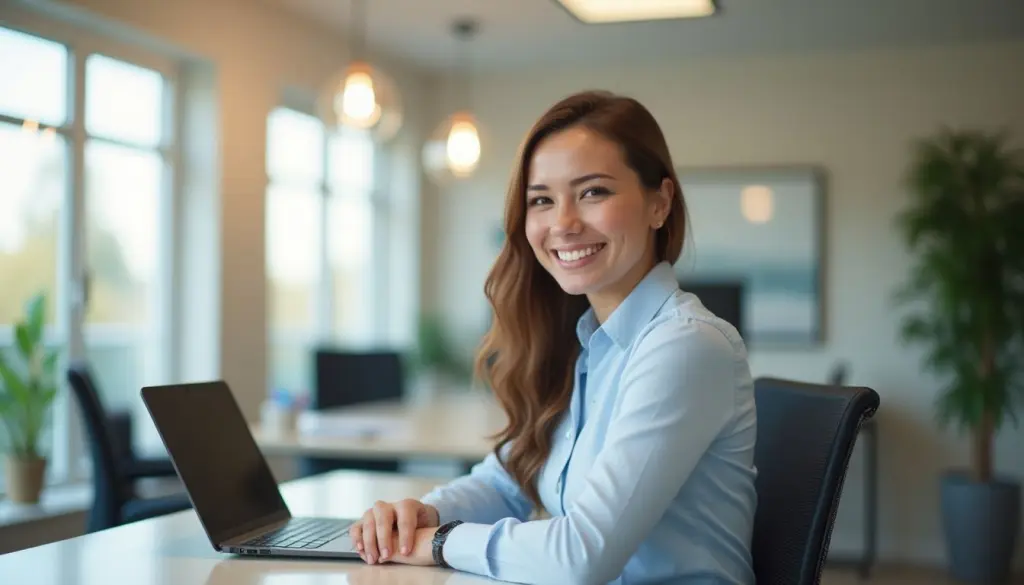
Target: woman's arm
{"points": [[677, 393], [486, 495]]}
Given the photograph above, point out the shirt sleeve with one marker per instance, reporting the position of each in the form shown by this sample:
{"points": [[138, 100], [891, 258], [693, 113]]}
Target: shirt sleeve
{"points": [[676, 393], [486, 495]]}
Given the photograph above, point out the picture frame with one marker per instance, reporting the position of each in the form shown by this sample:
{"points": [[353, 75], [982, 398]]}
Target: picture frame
{"points": [[755, 249]]}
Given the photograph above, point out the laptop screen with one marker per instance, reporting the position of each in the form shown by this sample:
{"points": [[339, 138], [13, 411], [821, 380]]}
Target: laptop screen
{"points": [[226, 475]]}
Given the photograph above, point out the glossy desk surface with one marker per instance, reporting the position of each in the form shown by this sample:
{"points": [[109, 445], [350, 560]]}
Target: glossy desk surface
{"points": [[449, 426], [173, 550]]}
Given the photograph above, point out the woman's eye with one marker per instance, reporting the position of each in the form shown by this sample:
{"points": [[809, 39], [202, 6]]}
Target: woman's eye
{"points": [[595, 191], [539, 200]]}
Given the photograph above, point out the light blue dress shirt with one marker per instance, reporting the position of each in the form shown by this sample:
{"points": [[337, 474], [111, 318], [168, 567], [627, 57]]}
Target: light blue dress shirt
{"points": [[651, 474]]}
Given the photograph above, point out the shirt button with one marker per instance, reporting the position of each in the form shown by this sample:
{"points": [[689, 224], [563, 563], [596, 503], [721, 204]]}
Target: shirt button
{"points": [[568, 435]]}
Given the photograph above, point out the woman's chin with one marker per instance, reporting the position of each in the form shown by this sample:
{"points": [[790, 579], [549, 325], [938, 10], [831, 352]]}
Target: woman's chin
{"points": [[576, 284]]}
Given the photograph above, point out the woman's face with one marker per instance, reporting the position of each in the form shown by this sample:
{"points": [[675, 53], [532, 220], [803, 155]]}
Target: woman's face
{"points": [[589, 220]]}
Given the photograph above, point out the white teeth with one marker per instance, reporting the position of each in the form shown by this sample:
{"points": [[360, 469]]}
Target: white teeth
{"points": [[577, 254]]}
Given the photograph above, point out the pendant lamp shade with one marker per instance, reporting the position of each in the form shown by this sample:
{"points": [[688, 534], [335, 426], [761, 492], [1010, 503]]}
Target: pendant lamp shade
{"points": [[361, 96], [453, 150], [364, 98]]}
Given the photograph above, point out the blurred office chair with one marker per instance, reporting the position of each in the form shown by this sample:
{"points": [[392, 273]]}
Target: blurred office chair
{"points": [[115, 468], [805, 435], [348, 378]]}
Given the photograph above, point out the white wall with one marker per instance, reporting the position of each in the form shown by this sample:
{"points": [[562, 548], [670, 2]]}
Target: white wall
{"points": [[855, 114], [244, 55]]}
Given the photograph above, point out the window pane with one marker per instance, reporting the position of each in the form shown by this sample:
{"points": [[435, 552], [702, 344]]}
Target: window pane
{"points": [[33, 78], [118, 366], [123, 101], [293, 260], [32, 173], [122, 199], [351, 163], [295, 148], [351, 248]]}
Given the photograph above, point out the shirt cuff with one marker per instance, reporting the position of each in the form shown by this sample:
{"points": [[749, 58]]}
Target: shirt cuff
{"points": [[465, 549], [445, 511]]}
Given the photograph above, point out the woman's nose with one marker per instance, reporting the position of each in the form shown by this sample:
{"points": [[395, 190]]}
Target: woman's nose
{"points": [[567, 221]]}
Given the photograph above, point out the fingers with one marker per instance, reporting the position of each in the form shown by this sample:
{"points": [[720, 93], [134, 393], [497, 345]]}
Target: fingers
{"points": [[370, 552], [407, 512], [385, 517], [356, 533]]}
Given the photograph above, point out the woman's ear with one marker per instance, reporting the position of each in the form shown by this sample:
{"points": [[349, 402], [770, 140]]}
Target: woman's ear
{"points": [[663, 202]]}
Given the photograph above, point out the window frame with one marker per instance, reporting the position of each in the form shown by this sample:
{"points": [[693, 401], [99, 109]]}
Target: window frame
{"points": [[68, 457], [324, 304]]}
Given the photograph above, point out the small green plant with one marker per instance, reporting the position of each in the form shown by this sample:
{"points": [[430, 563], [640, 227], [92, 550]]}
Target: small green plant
{"points": [[434, 350], [27, 388], [965, 226]]}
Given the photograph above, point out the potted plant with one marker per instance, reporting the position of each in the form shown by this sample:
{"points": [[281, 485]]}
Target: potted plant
{"points": [[434, 361], [965, 225], [27, 389]]}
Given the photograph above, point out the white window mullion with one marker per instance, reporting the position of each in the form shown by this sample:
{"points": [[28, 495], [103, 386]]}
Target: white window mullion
{"points": [[163, 291], [69, 437], [323, 308], [380, 295]]}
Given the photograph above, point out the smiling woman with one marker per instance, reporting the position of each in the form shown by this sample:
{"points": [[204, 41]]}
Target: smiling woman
{"points": [[631, 420]]}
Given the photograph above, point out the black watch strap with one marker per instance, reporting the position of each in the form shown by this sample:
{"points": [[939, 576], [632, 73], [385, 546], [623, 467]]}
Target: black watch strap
{"points": [[438, 542]]}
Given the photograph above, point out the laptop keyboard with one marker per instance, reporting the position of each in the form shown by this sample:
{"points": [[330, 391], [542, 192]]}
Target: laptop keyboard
{"points": [[302, 533]]}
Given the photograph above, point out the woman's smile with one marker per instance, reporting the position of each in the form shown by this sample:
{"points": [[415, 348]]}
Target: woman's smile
{"points": [[576, 256]]}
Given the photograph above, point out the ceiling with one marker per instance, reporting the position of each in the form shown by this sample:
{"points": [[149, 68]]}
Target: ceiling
{"points": [[517, 33]]}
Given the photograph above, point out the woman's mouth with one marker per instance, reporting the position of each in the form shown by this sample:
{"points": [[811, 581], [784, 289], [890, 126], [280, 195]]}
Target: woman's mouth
{"points": [[577, 257]]}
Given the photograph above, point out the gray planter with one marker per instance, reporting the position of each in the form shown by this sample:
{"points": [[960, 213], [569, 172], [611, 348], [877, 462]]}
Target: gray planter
{"points": [[981, 522]]}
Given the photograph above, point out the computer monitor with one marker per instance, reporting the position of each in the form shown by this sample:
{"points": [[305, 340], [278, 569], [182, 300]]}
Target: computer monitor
{"points": [[723, 298]]}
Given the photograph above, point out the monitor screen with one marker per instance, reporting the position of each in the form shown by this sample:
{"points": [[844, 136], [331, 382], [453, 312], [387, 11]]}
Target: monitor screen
{"points": [[723, 298], [208, 439]]}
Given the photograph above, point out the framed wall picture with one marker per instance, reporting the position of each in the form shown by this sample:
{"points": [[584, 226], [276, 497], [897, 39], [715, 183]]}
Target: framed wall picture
{"points": [[755, 249]]}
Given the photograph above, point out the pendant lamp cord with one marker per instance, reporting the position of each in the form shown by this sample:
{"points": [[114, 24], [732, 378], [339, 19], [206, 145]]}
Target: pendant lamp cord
{"points": [[358, 29]]}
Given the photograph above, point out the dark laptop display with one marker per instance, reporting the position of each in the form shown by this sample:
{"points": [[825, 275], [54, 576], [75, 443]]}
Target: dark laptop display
{"points": [[227, 478], [231, 486]]}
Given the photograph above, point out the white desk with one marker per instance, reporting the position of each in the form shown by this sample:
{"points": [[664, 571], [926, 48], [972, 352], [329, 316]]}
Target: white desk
{"points": [[450, 427], [173, 550]]}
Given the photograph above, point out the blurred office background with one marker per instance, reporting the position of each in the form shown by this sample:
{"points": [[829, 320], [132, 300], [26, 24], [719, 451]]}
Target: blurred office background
{"points": [[167, 178]]}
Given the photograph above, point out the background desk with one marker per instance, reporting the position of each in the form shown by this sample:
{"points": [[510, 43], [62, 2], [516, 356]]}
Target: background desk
{"points": [[173, 550], [452, 427]]}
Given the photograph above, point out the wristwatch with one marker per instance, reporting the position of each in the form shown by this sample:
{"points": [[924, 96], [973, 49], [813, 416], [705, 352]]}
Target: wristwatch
{"points": [[438, 542]]}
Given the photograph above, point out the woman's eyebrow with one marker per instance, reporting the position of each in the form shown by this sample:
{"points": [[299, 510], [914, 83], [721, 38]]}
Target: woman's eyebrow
{"points": [[574, 182]]}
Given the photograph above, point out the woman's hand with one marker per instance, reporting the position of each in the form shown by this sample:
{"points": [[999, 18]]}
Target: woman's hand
{"points": [[373, 536]]}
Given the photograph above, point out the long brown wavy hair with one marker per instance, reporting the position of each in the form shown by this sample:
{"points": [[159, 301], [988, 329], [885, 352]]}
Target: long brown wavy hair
{"points": [[528, 356]]}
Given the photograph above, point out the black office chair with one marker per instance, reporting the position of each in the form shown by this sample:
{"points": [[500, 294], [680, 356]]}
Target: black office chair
{"points": [[348, 378], [114, 468], [805, 435]]}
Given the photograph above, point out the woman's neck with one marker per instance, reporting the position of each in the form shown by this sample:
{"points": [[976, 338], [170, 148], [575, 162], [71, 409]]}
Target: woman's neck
{"points": [[605, 302]]}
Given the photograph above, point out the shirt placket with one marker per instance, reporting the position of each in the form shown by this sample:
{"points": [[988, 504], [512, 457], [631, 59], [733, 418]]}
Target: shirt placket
{"points": [[575, 424]]}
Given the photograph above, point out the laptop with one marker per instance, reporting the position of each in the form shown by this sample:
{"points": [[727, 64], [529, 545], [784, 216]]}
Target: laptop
{"points": [[228, 480]]}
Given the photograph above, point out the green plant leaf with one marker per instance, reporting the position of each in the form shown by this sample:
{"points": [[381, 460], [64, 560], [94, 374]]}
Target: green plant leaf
{"points": [[23, 338], [16, 388], [964, 226], [35, 312]]}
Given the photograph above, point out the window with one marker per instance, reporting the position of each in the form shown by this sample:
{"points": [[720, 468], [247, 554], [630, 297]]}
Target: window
{"points": [[125, 187], [321, 210], [85, 186]]}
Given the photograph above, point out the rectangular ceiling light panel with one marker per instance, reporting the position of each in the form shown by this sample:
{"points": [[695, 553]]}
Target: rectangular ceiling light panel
{"points": [[603, 11]]}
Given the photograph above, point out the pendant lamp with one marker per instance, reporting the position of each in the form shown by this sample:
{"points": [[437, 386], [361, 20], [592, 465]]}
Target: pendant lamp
{"points": [[453, 150], [361, 96]]}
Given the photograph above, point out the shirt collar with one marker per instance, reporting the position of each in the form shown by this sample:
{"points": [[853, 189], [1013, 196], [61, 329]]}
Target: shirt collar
{"points": [[635, 312]]}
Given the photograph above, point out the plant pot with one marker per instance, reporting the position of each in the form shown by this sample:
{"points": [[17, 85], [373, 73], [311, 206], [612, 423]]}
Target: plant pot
{"points": [[24, 479], [981, 523]]}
